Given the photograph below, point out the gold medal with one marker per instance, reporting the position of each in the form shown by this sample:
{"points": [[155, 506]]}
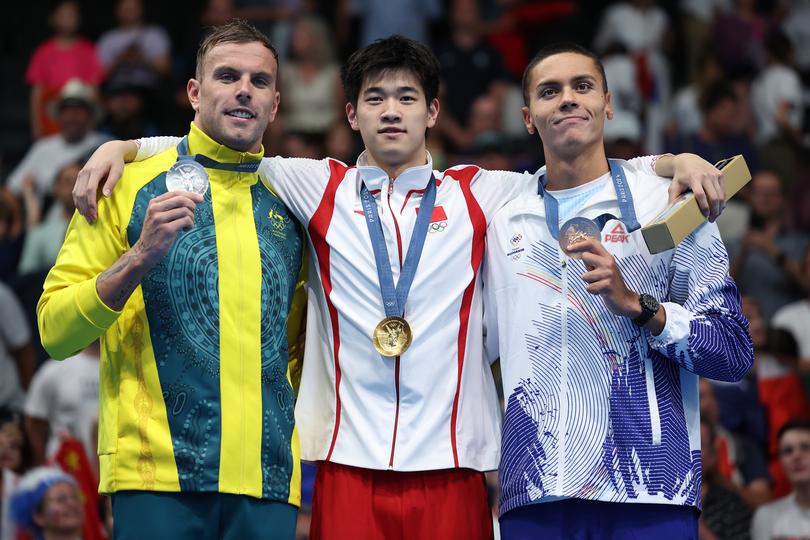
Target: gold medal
{"points": [[392, 336]]}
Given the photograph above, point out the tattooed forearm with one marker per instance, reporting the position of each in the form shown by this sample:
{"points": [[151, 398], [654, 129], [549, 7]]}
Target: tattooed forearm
{"points": [[116, 284]]}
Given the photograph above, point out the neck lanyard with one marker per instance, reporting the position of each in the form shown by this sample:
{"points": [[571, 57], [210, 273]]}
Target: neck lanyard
{"points": [[625, 199], [208, 163], [394, 298]]}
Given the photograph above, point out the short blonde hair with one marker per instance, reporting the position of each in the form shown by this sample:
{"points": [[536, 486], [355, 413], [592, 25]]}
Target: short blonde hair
{"points": [[234, 31]]}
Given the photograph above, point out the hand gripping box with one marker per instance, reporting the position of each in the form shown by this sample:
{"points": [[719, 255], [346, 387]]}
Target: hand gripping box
{"points": [[678, 221]]}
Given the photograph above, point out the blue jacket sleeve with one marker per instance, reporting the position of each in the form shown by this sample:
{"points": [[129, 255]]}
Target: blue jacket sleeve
{"points": [[706, 331]]}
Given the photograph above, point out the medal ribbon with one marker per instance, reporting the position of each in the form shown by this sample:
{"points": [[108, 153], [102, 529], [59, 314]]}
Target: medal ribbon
{"points": [[207, 162], [626, 209], [394, 298]]}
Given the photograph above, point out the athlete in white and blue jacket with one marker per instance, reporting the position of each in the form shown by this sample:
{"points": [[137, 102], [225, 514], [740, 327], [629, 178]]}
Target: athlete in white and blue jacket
{"points": [[600, 408]]}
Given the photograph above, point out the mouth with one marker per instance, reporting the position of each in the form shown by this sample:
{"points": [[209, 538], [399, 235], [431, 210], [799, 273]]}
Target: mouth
{"points": [[569, 120], [241, 113], [390, 131]]}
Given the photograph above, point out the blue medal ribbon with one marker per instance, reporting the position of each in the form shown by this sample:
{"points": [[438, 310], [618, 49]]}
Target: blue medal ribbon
{"points": [[394, 298], [625, 199], [208, 163]]}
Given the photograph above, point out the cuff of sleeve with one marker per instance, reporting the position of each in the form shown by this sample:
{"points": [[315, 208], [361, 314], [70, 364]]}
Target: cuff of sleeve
{"points": [[140, 155], [92, 308], [676, 329]]}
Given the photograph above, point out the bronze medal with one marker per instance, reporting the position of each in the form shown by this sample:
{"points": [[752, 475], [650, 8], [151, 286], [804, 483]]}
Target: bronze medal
{"points": [[392, 336]]}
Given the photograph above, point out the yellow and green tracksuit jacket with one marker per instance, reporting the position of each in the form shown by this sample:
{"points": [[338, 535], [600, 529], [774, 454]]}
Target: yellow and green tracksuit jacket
{"points": [[195, 394]]}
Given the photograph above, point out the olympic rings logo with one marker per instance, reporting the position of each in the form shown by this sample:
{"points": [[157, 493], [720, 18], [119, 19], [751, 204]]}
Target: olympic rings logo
{"points": [[437, 227]]}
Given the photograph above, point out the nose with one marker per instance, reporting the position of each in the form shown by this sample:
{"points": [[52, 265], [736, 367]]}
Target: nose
{"points": [[391, 111], [568, 98], [244, 89]]}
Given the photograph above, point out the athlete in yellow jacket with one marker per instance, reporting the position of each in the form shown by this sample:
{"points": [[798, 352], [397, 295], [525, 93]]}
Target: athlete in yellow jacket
{"points": [[190, 296]]}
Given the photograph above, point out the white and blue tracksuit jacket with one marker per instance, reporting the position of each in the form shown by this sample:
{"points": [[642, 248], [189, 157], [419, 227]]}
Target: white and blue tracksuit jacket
{"points": [[595, 407]]}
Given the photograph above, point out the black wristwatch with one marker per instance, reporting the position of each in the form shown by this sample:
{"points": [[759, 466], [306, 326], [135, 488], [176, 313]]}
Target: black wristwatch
{"points": [[649, 307]]}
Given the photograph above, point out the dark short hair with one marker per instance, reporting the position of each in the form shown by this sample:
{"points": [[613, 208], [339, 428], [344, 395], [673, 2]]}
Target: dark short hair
{"points": [[791, 425], [234, 31], [778, 45], [716, 93], [560, 48], [395, 53]]}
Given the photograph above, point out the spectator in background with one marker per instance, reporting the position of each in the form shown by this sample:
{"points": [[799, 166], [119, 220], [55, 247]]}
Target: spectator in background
{"points": [[77, 112], [470, 69], [642, 28], [63, 399], [12, 234], [797, 27], [777, 101], [696, 20], [44, 239], [765, 263], [685, 116], [134, 49], [721, 134], [789, 517], [724, 515], [310, 82], [621, 72], [64, 57], [795, 317], [47, 502], [271, 17], [779, 388], [383, 18], [124, 105], [740, 455], [17, 355], [13, 462], [737, 37]]}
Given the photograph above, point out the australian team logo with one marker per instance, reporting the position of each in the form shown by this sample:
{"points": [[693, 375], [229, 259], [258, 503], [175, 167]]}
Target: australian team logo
{"points": [[278, 222]]}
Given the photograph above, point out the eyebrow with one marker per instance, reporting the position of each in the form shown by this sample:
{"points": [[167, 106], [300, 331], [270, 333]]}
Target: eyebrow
{"points": [[228, 69], [575, 79], [381, 90]]}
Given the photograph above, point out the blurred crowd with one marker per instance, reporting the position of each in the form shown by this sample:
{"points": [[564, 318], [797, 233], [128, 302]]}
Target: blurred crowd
{"points": [[712, 77]]}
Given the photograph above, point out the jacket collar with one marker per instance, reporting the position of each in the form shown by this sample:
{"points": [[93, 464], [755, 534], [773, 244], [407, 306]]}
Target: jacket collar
{"points": [[200, 143], [412, 179]]}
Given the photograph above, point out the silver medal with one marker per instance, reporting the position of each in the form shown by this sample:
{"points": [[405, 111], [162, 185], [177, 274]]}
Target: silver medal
{"points": [[576, 230], [187, 175]]}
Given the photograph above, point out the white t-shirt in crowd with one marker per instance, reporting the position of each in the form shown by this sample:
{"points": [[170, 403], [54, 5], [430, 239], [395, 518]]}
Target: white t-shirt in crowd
{"points": [[795, 318], [775, 85], [782, 518], [66, 394], [14, 334]]}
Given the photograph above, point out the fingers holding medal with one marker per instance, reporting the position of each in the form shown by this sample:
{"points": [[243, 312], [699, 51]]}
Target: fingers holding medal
{"points": [[574, 231]]}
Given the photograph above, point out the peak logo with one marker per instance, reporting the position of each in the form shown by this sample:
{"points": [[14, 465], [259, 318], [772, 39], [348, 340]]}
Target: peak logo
{"points": [[617, 235]]}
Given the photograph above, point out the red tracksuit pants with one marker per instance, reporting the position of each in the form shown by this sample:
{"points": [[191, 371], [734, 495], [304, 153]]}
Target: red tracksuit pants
{"points": [[367, 504]]}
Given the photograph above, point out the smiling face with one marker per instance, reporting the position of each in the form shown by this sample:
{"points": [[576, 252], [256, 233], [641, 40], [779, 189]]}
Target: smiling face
{"points": [[236, 95], [61, 509], [567, 104], [392, 115]]}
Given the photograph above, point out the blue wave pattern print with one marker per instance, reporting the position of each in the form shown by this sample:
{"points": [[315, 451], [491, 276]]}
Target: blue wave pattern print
{"points": [[602, 411]]}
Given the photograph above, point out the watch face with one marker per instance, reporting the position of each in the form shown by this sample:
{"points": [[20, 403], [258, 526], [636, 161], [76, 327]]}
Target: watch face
{"points": [[648, 303]]}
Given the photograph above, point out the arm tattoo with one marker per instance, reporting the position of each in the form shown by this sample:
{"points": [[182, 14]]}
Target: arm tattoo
{"points": [[124, 289]]}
